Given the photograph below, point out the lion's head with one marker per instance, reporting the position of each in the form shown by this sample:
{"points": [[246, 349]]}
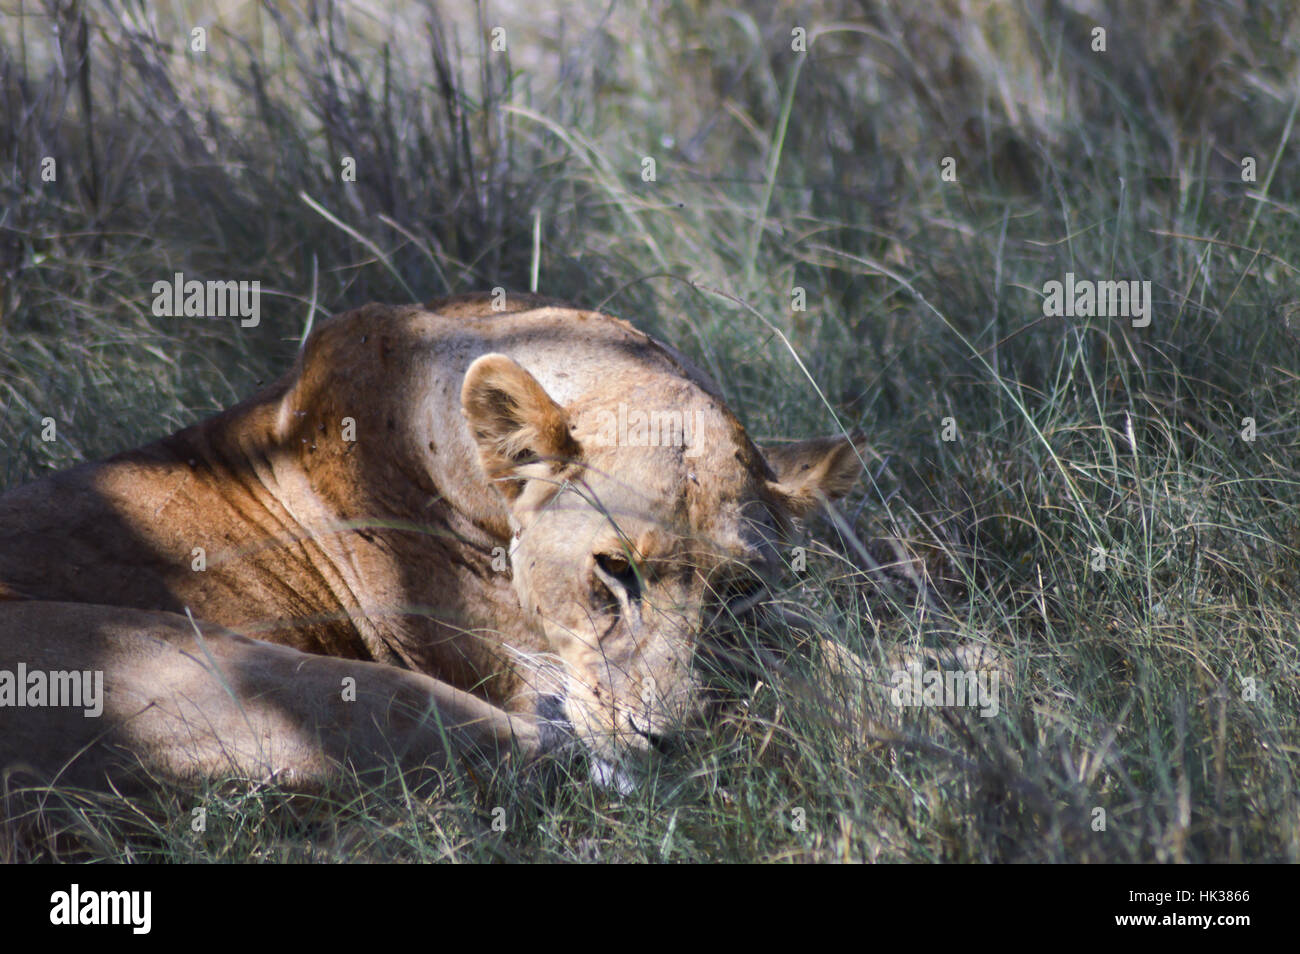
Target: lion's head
{"points": [[634, 513]]}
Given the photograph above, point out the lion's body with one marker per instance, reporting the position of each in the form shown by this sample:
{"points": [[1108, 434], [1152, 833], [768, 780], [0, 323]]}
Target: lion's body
{"points": [[360, 508]]}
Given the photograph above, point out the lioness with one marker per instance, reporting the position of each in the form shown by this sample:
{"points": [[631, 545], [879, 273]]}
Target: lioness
{"points": [[465, 507]]}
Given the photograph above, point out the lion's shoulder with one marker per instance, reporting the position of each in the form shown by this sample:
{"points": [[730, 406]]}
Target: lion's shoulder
{"points": [[547, 335], [488, 304]]}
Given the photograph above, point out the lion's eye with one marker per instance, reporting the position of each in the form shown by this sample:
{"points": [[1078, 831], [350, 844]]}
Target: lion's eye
{"points": [[615, 564], [618, 568]]}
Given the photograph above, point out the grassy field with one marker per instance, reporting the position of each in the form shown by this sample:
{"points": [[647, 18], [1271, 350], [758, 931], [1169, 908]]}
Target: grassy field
{"points": [[1098, 515]]}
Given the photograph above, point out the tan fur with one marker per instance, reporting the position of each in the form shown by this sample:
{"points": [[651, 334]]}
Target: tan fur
{"points": [[477, 433]]}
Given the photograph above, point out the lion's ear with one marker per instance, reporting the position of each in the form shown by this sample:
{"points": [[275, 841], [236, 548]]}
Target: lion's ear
{"points": [[513, 420], [807, 471]]}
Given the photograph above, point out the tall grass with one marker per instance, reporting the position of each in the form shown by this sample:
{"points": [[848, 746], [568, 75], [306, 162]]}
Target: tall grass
{"points": [[1162, 689]]}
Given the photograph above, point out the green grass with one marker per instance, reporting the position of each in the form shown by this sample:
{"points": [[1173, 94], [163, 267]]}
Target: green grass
{"points": [[924, 301]]}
